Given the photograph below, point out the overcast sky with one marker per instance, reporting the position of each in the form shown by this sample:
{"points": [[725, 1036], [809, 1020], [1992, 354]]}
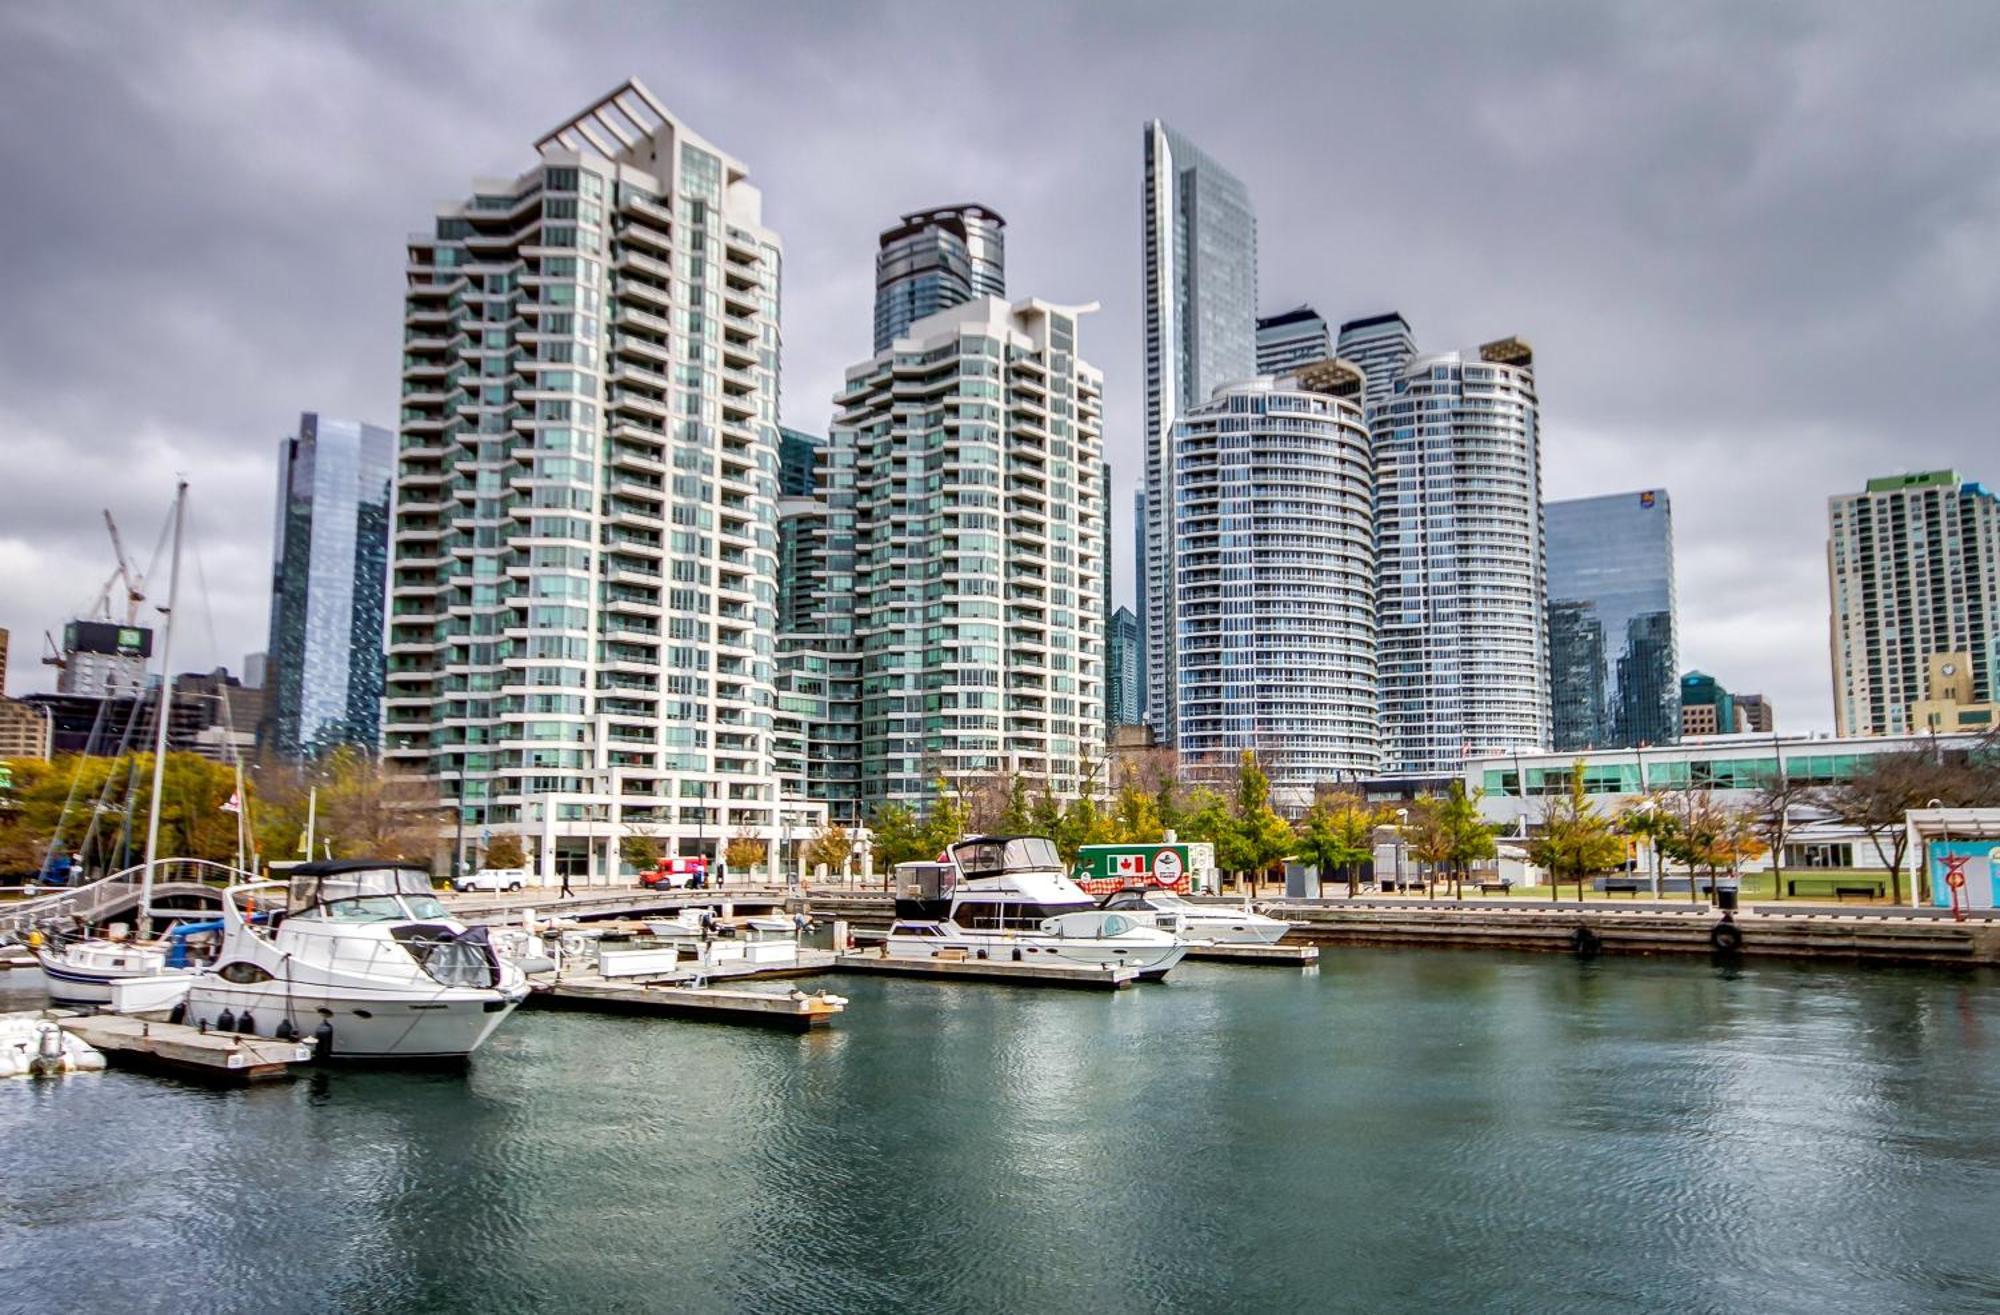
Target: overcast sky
{"points": [[1758, 253]]}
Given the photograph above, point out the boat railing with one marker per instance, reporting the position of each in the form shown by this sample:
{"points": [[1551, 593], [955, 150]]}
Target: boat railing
{"points": [[91, 902]]}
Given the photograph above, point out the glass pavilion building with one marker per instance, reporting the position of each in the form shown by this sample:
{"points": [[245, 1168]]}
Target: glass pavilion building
{"points": [[1613, 652], [329, 572]]}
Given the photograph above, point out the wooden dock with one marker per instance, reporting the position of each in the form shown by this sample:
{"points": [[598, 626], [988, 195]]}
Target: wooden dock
{"points": [[1109, 977], [792, 1009], [174, 1047], [1284, 955]]}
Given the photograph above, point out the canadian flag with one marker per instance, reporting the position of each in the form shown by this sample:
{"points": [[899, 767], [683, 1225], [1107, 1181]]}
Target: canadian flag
{"points": [[1131, 865], [233, 804]]}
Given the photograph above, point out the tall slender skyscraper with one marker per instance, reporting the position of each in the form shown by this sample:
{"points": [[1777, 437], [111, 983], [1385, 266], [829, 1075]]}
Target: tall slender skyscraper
{"points": [[1276, 649], [979, 551], [1381, 345], [329, 575], [1464, 639], [1613, 660], [585, 543], [1913, 566], [1122, 666], [1200, 241], [934, 260]]}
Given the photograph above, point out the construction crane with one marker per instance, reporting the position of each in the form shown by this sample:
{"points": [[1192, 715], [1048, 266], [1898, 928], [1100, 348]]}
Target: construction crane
{"points": [[100, 607]]}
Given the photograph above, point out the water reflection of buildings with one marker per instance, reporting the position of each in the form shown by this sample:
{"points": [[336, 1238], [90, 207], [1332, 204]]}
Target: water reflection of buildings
{"points": [[1611, 581]]}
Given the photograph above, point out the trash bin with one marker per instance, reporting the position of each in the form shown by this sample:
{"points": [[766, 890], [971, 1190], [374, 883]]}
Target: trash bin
{"points": [[1725, 897]]}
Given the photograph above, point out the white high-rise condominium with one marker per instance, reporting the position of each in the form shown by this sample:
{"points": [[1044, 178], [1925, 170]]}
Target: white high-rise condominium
{"points": [[979, 552], [1200, 240], [1462, 562], [584, 551], [1276, 579], [1293, 338], [1913, 567]]}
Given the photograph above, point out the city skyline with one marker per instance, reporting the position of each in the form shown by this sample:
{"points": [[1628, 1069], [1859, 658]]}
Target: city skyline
{"points": [[1693, 184]]}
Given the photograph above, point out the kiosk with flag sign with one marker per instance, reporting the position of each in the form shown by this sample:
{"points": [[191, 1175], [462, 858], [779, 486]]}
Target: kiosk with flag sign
{"points": [[1187, 868]]}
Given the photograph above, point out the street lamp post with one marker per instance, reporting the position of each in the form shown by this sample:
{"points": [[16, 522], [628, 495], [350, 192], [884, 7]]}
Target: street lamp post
{"points": [[1402, 819]]}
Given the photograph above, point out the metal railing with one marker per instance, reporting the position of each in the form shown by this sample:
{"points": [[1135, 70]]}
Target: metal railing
{"points": [[92, 902]]}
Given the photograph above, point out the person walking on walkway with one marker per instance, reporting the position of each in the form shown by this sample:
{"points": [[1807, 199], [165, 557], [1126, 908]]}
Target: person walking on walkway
{"points": [[565, 884]]}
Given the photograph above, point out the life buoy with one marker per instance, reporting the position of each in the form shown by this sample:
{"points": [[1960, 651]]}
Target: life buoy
{"points": [[1585, 942], [1725, 937]]}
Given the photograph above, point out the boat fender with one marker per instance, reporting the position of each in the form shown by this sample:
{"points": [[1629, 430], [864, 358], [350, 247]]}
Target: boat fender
{"points": [[980, 954], [323, 1042], [178, 1014], [1585, 942], [48, 1052], [246, 1024], [226, 1020], [1017, 954], [201, 1026], [284, 1031], [1726, 937]]}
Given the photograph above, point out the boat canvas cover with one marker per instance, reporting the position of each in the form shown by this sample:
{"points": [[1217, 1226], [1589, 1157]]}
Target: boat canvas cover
{"points": [[317, 883]]}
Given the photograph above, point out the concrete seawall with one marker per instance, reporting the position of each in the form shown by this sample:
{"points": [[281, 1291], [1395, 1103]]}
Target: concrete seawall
{"points": [[1799, 932]]}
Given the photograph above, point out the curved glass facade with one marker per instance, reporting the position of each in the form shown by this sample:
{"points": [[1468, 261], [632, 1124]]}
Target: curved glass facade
{"points": [[1464, 640], [1275, 577], [934, 260]]}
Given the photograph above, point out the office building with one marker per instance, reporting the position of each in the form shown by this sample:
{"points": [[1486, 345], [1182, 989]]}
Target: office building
{"points": [[1463, 645], [1706, 707], [797, 456], [255, 665], [1122, 666], [329, 574], [979, 552], [102, 659], [1754, 714], [1138, 708], [1286, 341], [933, 260], [584, 602], [1381, 345], [1199, 237], [1913, 567], [1612, 650], [26, 730], [1275, 574]]}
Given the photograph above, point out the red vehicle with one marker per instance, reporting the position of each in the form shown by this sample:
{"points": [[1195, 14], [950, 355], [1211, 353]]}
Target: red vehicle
{"points": [[673, 873]]}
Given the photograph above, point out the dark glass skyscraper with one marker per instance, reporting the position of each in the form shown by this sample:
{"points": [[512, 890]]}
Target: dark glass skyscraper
{"points": [[1613, 662], [1122, 669], [323, 681], [797, 453], [934, 260]]}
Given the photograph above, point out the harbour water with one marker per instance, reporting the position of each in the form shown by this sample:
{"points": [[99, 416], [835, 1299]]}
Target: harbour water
{"points": [[1395, 1131]]}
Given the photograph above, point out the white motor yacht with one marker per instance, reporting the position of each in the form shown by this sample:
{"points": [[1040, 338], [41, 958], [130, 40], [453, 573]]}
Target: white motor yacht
{"points": [[82, 972], [1217, 923], [1008, 897], [363, 950]]}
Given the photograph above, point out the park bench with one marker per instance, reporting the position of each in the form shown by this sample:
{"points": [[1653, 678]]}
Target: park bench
{"points": [[1624, 887], [1842, 887], [1495, 887]]}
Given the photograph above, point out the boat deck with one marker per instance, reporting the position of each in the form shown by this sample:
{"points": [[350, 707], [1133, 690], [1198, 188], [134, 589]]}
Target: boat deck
{"points": [[217, 1056], [792, 1009], [1109, 977], [1284, 955]]}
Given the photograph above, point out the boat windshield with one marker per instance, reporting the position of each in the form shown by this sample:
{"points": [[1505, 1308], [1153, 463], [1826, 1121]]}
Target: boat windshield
{"points": [[990, 858], [367, 894]]}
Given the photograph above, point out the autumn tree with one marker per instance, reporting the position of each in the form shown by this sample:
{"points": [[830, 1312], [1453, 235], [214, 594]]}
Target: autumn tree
{"points": [[1576, 838], [1888, 785], [1779, 796], [831, 848], [1262, 837], [506, 853], [745, 852], [641, 851], [1337, 835], [898, 837], [1429, 839], [1471, 835]]}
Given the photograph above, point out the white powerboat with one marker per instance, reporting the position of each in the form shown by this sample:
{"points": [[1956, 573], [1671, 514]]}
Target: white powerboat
{"points": [[363, 957], [1217, 923], [1008, 897]]}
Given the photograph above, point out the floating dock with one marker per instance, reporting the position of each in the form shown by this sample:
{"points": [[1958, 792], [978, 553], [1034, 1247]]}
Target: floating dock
{"points": [[792, 1009], [1108, 977], [175, 1047], [1284, 955]]}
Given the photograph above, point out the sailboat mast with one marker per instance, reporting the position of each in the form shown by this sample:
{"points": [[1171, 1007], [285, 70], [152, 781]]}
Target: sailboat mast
{"points": [[166, 704]]}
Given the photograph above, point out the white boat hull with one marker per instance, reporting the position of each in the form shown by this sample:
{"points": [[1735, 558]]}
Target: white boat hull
{"points": [[1152, 958], [90, 984], [437, 1024], [1255, 930]]}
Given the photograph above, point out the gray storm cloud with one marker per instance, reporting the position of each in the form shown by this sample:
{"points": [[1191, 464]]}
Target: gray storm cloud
{"points": [[1754, 250]]}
